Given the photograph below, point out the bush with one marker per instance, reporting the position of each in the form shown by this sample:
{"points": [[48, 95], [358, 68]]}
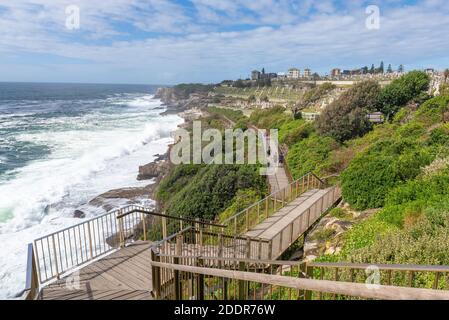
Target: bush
{"points": [[272, 118], [346, 117], [401, 91], [434, 110], [212, 189], [242, 200], [340, 213], [309, 155], [374, 172], [294, 131]]}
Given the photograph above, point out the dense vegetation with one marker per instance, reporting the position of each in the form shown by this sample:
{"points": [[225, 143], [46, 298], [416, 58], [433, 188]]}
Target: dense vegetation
{"points": [[204, 191], [401, 167], [346, 118], [401, 91]]}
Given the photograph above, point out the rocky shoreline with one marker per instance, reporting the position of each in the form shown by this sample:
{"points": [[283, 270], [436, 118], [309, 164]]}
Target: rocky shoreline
{"points": [[152, 172]]}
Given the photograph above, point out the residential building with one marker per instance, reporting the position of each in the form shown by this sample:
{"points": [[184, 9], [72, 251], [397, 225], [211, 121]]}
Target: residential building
{"points": [[255, 75], [294, 73], [335, 73], [307, 73]]}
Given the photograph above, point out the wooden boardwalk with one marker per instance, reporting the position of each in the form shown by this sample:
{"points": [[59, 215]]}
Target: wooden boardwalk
{"points": [[278, 180], [290, 222], [122, 275]]}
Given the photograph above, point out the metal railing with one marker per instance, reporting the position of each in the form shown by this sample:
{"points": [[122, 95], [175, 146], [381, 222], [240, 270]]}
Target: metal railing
{"points": [[194, 242], [70, 248], [263, 209]]}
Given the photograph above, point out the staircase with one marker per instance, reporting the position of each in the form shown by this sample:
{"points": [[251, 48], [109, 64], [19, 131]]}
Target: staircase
{"points": [[202, 260]]}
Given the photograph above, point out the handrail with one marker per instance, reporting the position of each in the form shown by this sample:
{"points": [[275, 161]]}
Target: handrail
{"points": [[274, 194], [191, 220], [324, 286], [392, 267]]}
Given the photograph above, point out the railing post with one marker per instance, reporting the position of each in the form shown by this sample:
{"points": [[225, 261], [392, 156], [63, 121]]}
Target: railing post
{"points": [[164, 227], [235, 225], [32, 280], [176, 260], [90, 240], [308, 181], [144, 227], [247, 219], [283, 198], [309, 274], [270, 250], [155, 275], [54, 252], [292, 236], [267, 204], [220, 249], [200, 283], [121, 231], [248, 247], [302, 274], [241, 283], [258, 212]]}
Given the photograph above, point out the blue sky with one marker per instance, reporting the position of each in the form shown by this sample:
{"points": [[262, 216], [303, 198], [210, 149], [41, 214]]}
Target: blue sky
{"points": [[167, 42]]}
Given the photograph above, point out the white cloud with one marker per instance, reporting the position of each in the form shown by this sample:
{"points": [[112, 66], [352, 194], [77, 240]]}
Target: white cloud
{"points": [[192, 48]]}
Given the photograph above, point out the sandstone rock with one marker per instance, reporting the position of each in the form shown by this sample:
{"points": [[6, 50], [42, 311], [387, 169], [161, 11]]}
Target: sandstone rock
{"points": [[153, 170], [79, 214]]}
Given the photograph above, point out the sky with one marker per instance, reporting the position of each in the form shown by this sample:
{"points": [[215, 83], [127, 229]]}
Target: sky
{"points": [[174, 41]]}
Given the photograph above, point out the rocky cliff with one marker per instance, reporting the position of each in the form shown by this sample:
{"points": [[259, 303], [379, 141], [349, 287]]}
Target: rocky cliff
{"points": [[178, 101]]}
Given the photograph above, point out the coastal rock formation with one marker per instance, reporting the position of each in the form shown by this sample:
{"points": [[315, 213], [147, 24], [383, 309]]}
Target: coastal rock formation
{"points": [[176, 102], [79, 214], [326, 238], [153, 170]]}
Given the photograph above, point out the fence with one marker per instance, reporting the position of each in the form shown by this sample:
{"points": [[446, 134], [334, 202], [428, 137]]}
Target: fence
{"points": [[263, 209], [197, 278], [70, 248]]}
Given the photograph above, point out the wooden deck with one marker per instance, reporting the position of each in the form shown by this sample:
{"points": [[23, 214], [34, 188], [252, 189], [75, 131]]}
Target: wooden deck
{"points": [[122, 275]]}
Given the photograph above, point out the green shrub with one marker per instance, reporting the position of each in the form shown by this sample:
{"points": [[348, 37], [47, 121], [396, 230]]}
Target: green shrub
{"points": [[309, 155], [211, 190], [401, 91], [386, 164], [272, 118], [346, 117], [433, 111], [323, 234], [294, 131], [341, 214], [242, 200]]}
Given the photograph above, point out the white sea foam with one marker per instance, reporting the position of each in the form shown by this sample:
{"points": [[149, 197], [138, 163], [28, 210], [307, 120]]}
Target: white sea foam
{"points": [[90, 155]]}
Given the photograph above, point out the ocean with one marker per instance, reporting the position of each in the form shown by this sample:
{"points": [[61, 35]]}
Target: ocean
{"points": [[62, 145]]}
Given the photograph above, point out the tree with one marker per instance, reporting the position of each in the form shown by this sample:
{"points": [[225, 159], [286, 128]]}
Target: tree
{"points": [[381, 68], [346, 117], [401, 68], [372, 69], [401, 91], [446, 75], [390, 69]]}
